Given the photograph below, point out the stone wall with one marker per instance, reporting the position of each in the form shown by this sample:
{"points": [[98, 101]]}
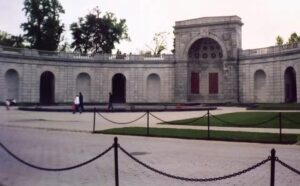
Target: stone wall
{"points": [[273, 61], [100, 72]]}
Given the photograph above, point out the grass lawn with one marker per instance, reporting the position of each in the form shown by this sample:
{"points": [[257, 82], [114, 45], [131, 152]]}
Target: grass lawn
{"points": [[202, 134], [276, 106], [246, 119]]}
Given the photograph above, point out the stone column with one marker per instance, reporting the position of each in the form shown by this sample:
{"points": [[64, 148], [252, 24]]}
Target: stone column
{"points": [[181, 84]]}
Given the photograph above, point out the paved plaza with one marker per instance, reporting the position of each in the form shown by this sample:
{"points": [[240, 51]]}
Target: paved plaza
{"points": [[62, 139]]}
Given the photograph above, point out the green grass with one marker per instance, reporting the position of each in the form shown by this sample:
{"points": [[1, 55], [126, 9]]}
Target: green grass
{"points": [[202, 134], [276, 106], [246, 119]]}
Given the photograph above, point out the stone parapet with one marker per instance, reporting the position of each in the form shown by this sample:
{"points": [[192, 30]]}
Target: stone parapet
{"points": [[270, 51], [68, 56], [208, 21]]}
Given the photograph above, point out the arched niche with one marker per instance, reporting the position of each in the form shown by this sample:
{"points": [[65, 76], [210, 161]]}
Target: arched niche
{"points": [[83, 85], [153, 88], [12, 84]]}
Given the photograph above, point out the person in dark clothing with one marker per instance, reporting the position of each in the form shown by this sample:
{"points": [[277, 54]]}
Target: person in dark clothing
{"points": [[110, 100], [80, 102]]}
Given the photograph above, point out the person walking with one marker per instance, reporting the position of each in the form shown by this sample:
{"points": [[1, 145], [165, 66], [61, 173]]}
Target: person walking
{"points": [[7, 104], [110, 105], [80, 102], [76, 104]]}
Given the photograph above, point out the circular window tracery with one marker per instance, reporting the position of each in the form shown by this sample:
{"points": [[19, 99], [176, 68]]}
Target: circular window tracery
{"points": [[205, 49]]}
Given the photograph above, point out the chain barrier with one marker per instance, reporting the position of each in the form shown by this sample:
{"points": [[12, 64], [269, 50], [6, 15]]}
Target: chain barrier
{"points": [[290, 120], [245, 125], [55, 169], [195, 179], [116, 146], [121, 123], [183, 123], [288, 166]]}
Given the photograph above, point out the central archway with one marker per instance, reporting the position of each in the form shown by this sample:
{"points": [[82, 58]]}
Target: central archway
{"points": [[47, 87], [119, 88]]}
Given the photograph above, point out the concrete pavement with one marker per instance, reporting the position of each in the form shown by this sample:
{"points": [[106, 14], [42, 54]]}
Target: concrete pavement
{"points": [[58, 145]]}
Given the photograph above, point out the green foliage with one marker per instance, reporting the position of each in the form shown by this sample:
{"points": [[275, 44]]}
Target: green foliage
{"points": [[95, 34], [279, 41], [43, 28], [294, 38], [11, 40]]}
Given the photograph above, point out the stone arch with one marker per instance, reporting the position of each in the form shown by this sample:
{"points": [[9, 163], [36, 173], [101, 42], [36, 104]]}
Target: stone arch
{"points": [[205, 36], [153, 88], [119, 88], [12, 84], [260, 86], [205, 49], [83, 85], [47, 88], [290, 85]]}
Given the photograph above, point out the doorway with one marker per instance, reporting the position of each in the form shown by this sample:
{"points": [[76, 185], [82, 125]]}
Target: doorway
{"points": [[119, 88], [290, 85], [47, 87]]}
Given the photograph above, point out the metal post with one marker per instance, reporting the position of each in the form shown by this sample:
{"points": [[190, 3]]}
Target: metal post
{"points": [[147, 122], [280, 127], [273, 158], [208, 125], [116, 161], [94, 124]]}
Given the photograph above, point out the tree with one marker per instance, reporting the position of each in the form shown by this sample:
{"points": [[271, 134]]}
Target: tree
{"points": [[160, 43], [279, 41], [11, 40], [95, 34], [43, 28], [294, 38]]}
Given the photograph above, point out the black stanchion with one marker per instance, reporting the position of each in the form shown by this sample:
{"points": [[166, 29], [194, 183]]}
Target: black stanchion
{"points": [[116, 161], [280, 127], [208, 125], [147, 122], [273, 159], [94, 124]]}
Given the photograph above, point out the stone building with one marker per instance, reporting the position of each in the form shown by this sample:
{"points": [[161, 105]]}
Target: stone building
{"points": [[209, 66]]}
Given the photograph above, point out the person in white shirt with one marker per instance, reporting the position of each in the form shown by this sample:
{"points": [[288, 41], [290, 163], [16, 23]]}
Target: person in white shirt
{"points": [[76, 104], [7, 104]]}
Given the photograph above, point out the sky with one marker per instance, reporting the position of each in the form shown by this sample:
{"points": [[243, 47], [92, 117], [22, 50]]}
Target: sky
{"points": [[263, 19]]}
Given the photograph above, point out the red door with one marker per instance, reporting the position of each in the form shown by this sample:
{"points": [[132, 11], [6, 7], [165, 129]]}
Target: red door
{"points": [[213, 83], [195, 83]]}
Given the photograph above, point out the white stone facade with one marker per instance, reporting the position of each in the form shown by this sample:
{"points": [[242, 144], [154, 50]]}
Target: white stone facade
{"points": [[209, 66]]}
